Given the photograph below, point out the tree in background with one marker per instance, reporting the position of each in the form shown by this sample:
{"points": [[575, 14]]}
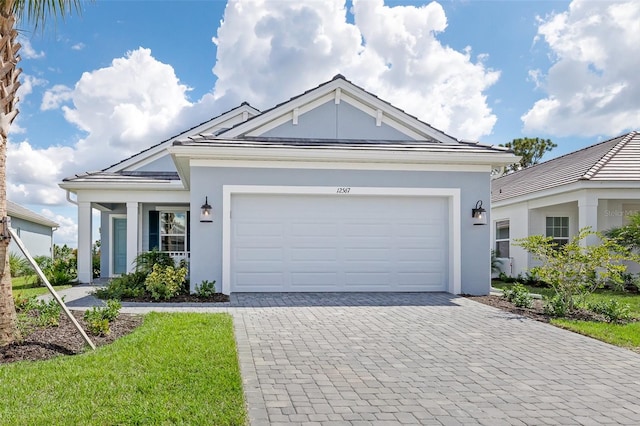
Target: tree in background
{"points": [[530, 149], [627, 235], [34, 12]]}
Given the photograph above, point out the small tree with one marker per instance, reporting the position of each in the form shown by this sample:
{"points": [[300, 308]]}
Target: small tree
{"points": [[575, 270]]}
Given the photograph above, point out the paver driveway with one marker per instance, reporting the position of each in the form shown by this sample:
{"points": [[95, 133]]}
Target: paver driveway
{"points": [[423, 359]]}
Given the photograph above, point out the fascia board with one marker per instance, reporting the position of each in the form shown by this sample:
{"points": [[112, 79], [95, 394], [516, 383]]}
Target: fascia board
{"points": [[130, 186], [337, 155]]}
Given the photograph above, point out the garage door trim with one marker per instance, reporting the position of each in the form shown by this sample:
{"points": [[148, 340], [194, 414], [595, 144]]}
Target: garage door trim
{"points": [[452, 195]]}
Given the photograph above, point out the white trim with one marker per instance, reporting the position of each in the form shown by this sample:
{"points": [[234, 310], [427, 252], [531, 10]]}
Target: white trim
{"points": [[378, 118], [296, 112], [453, 194], [337, 99], [201, 162], [111, 247]]}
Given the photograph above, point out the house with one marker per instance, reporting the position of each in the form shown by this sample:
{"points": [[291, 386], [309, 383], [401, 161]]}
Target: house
{"points": [[332, 190], [35, 231], [598, 186]]}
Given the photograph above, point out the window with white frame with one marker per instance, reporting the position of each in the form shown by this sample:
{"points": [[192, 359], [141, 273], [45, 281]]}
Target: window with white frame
{"points": [[502, 238], [558, 229], [173, 231]]}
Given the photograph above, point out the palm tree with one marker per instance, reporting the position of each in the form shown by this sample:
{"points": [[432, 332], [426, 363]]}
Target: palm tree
{"points": [[35, 12]]}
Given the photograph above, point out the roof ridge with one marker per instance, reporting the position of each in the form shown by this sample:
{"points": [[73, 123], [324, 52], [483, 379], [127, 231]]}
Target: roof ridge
{"points": [[608, 156]]}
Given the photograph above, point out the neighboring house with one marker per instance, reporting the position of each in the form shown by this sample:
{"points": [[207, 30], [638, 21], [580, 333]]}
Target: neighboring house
{"points": [[332, 190], [598, 186], [35, 231]]}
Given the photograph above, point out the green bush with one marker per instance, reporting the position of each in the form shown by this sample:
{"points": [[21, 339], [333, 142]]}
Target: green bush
{"points": [[98, 319], [519, 296], [206, 289], [18, 265], [165, 282], [555, 306], [612, 310], [147, 260], [124, 286]]}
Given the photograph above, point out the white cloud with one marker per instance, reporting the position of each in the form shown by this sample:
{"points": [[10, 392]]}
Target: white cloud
{"points": [[78, 46], [284, 48], [124, 108], [27, 51], [67, 231], [592, 87], [55, 97]]}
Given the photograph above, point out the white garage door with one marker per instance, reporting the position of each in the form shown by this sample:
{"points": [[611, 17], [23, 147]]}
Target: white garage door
{"points": [[303, 243]]}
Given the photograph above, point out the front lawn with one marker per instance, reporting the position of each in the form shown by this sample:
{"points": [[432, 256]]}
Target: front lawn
{"points": [[27, 289], [174, 369]]}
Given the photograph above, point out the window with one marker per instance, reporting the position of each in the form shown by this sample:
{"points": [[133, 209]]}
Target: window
{"points": [[173, 231], [502, 238], [558, 228]]}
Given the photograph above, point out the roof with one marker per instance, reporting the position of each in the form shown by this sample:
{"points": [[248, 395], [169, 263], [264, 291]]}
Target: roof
{"points": [[346, 144], [616, 159], [125, 176], [17, 211]]}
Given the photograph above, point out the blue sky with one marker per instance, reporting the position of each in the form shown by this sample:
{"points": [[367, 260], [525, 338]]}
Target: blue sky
{"points": [[127, 74]]}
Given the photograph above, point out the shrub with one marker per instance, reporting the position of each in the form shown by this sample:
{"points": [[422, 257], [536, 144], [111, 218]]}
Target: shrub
{"points": [[575, 270], [519, 296], [555, 306], [124, 286], [147, 260], [98, 319], [612, 310], [18, 265], [206, 289], [165, 282]]}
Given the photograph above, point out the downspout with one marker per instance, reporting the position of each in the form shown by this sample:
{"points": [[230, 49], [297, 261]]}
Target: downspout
{"points": [[69, 198]]}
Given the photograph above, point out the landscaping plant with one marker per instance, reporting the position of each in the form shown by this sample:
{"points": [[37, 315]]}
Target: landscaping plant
{"points": [[519, 296], [206, 289], [612, 310], [99, 319], [164, 282], [575, 270]]}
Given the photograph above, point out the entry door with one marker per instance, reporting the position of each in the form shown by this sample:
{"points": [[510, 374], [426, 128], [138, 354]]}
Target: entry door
{"points": [[119, 246]]}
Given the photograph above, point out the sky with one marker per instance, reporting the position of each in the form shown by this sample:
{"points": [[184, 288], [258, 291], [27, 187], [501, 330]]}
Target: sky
{"points": [[125, 75]]}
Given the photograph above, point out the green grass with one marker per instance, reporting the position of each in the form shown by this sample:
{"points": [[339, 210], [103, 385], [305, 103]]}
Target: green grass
{"points": [[23, 286], [174, 369], [625, 335]]}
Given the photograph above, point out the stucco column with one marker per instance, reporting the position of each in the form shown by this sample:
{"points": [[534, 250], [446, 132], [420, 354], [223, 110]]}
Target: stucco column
{"points": [[588, 216], [132, 235], [85, 269]]}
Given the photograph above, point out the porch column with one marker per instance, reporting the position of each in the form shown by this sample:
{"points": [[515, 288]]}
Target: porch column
{"points": [[132, 235], [85, 269], [588, 216]]}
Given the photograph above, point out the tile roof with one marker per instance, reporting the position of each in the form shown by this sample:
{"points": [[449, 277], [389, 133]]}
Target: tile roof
{"points": [[616, 159], [17, 211], [346, 144], [125, 176]]}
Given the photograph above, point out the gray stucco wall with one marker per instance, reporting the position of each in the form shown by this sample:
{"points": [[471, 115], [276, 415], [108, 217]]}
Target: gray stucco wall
{"points": [[206, 238], [331, 121], [37, 238]]}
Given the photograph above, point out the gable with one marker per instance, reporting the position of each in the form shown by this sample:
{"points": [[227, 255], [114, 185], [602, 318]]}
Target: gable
{"points": [[163, 163], [349, 102], [336, 121]]}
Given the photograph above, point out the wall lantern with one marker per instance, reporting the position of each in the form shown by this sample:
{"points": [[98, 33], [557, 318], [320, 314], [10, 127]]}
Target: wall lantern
{"points": [[479, 214], [206, 215]]}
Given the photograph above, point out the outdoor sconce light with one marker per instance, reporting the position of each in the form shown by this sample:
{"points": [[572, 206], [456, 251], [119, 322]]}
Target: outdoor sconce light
{"points": [[206, 215], [479, 214]]}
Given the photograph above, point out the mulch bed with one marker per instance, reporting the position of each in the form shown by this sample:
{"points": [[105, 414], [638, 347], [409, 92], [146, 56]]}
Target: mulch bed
{"points": [[181, 298], [48, 342]]}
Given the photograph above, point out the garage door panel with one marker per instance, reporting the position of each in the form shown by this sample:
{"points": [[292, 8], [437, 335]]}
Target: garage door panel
{"points": [[337, 243]]}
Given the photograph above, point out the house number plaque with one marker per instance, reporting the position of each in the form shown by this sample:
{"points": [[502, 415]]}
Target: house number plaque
{"points": [[343, 190]]}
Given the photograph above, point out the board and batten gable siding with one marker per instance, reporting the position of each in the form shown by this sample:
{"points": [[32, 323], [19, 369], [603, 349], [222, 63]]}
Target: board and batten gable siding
{"points": [[36, 237], [336, 121], [207, 238]]}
